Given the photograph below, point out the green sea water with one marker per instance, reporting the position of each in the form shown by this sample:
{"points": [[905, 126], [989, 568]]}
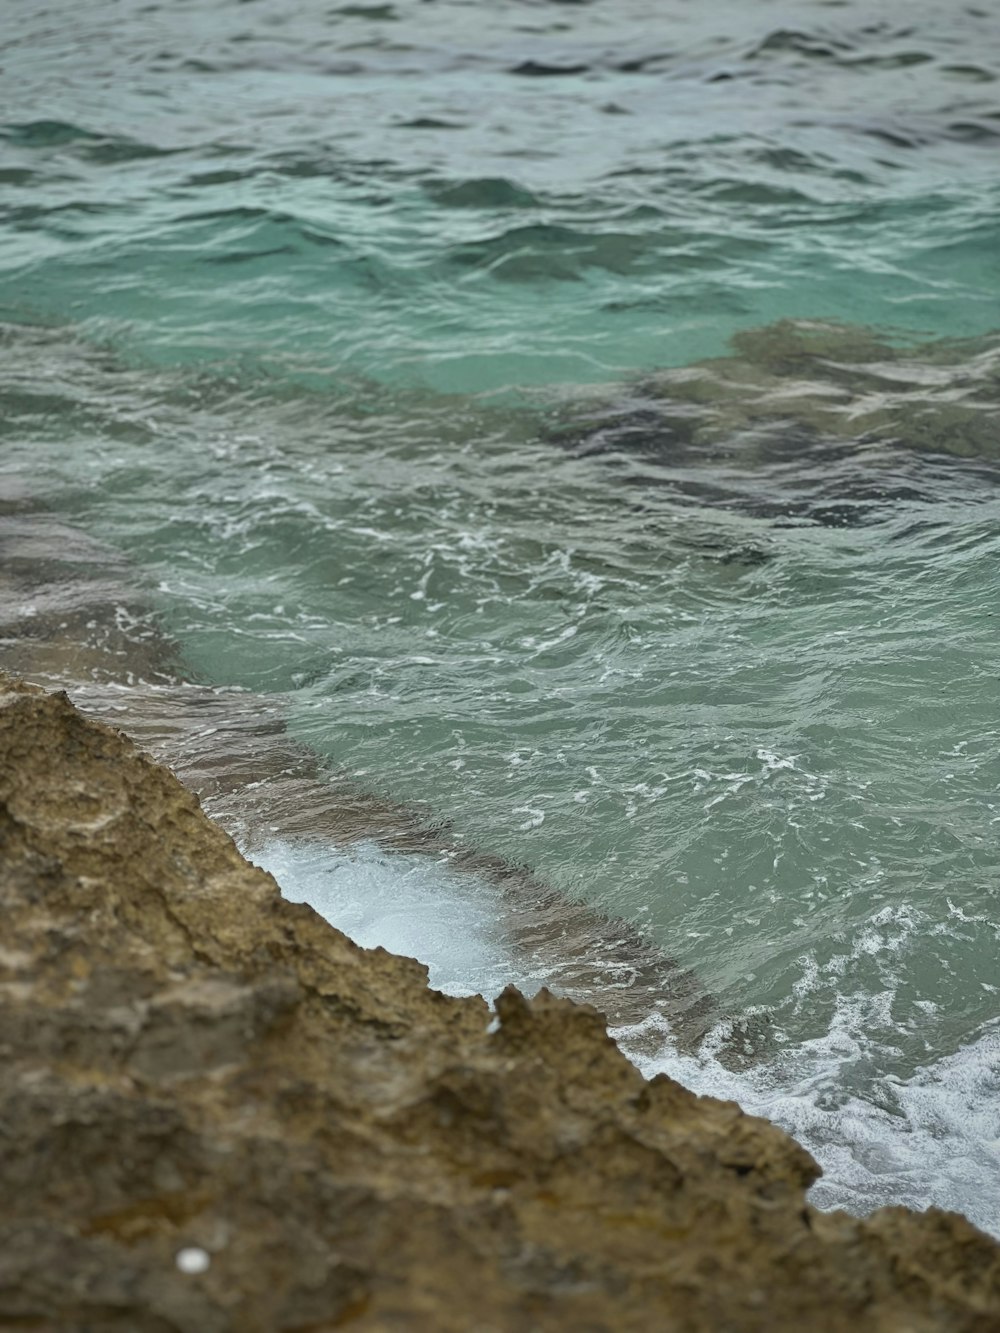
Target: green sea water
{"points": [[584, 420]]}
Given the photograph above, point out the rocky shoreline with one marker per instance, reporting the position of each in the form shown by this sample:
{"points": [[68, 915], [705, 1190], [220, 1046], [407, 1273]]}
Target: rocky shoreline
{"points": [[219, 1113]]}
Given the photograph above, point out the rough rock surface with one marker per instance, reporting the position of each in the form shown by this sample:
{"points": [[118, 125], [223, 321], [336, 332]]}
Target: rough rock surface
{"points": [[193, 1067]]}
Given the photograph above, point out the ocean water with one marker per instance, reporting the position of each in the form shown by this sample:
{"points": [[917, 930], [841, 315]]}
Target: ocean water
{"points": [[568, 435]]}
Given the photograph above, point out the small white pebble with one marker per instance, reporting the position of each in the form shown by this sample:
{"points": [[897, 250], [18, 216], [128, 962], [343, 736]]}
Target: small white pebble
{"points": [[193, 1259]]}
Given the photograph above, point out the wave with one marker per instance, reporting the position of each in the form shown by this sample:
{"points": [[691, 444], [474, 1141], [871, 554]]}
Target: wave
{"points": [[86, 145], [928, 1140]]}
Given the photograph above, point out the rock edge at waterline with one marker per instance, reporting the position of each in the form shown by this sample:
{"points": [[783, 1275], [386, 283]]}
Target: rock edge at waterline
{"points": [[218, 1113]]}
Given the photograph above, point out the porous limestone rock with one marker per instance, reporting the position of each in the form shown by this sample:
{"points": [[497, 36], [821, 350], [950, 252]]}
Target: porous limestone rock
{"points": [[219, 1114]]}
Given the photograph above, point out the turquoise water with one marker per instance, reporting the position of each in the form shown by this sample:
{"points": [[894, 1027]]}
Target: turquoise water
{"points": [[582, 418]]}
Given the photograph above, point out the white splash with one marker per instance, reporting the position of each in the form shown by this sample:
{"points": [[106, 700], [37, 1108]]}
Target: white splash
{"points": [[933, 1138]]}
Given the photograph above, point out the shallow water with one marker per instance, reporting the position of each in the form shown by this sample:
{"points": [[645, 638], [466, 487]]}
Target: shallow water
{"points": [[391, 347]]}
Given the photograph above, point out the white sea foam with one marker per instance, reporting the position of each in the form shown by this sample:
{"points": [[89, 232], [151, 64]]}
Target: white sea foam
{"points": [[934, 1141], [933, 1138], [410, 905]]}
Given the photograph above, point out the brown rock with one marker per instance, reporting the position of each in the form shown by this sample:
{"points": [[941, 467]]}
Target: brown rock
{"points": [[192, 1064]]}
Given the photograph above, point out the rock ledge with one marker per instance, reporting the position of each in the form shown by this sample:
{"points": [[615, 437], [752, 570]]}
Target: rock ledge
{"points": [[217, 1113]]}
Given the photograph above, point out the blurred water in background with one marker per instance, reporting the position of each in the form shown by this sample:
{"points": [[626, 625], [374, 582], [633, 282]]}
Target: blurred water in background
{"points": [[581, 419]]}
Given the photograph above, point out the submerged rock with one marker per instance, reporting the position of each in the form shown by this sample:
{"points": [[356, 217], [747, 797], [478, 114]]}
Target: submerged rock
{"points": [[219, 1113], [806, 423], [843, 382]]}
